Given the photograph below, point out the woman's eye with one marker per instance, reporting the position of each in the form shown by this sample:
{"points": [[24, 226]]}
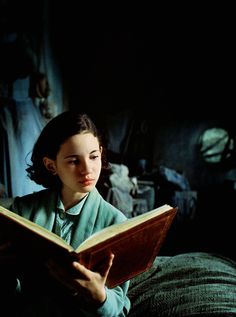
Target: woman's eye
{"points": [[94, 157], [74, 162]]}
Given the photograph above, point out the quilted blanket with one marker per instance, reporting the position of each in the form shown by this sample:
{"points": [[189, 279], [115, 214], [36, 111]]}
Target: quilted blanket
{"points": [[189, 284]]}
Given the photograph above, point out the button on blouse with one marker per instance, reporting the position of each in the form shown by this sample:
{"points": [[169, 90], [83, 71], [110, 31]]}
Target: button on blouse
{"points": [[65, 220]]}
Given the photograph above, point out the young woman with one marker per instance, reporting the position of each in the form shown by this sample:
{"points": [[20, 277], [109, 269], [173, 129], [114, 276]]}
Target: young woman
{"points": [[67, 160]]}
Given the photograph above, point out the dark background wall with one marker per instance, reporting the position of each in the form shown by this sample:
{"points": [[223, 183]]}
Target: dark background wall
{"points": [[129, 55]]}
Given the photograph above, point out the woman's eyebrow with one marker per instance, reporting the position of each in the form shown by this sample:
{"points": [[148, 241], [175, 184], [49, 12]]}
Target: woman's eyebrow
{"points": [[78, 155]]}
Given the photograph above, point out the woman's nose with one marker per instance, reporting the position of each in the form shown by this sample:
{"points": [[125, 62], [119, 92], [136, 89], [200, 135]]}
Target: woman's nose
{"points": [[85, 167]]}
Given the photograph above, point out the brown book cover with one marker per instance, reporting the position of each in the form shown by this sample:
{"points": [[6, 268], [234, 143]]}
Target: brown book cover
{"points": [[134, 242]]}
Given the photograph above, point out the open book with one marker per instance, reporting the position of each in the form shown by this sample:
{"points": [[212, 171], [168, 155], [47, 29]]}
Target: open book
{"points": [[134, 242]]}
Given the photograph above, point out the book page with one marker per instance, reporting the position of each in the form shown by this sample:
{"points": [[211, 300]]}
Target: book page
{"points": [[34, 227], [115, 229]]}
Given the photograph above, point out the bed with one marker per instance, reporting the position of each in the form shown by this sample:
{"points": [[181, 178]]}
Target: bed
{"points": [[187, 284]]}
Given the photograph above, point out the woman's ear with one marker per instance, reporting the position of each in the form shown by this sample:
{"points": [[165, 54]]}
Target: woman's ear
{"points": [[50, 165]]}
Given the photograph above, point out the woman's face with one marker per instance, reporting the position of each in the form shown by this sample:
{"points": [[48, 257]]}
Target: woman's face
{"points": [[78, 163]]}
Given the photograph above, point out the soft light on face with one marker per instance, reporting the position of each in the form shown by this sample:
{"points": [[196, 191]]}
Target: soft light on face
{"points": [[78, 163]]}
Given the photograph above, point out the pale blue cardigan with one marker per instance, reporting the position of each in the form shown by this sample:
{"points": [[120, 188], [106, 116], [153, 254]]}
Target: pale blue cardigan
{"points": [[96, 213]]}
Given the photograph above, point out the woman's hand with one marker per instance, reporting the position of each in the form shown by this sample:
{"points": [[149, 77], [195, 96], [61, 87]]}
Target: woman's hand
{"points": [[81, 281]]}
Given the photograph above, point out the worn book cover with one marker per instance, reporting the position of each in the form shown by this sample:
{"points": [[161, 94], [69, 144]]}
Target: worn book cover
{"points": [[134, 242]]}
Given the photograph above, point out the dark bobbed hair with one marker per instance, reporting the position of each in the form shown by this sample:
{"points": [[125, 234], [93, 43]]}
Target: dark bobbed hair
{"points": [[53, 135]]}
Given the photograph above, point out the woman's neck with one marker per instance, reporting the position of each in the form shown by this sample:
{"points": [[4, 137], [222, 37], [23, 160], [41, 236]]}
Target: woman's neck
{"points": [[71, 199]]}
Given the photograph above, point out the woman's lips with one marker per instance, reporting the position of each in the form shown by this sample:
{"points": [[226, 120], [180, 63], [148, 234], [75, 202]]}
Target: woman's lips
{"points": [[87, 182]]}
